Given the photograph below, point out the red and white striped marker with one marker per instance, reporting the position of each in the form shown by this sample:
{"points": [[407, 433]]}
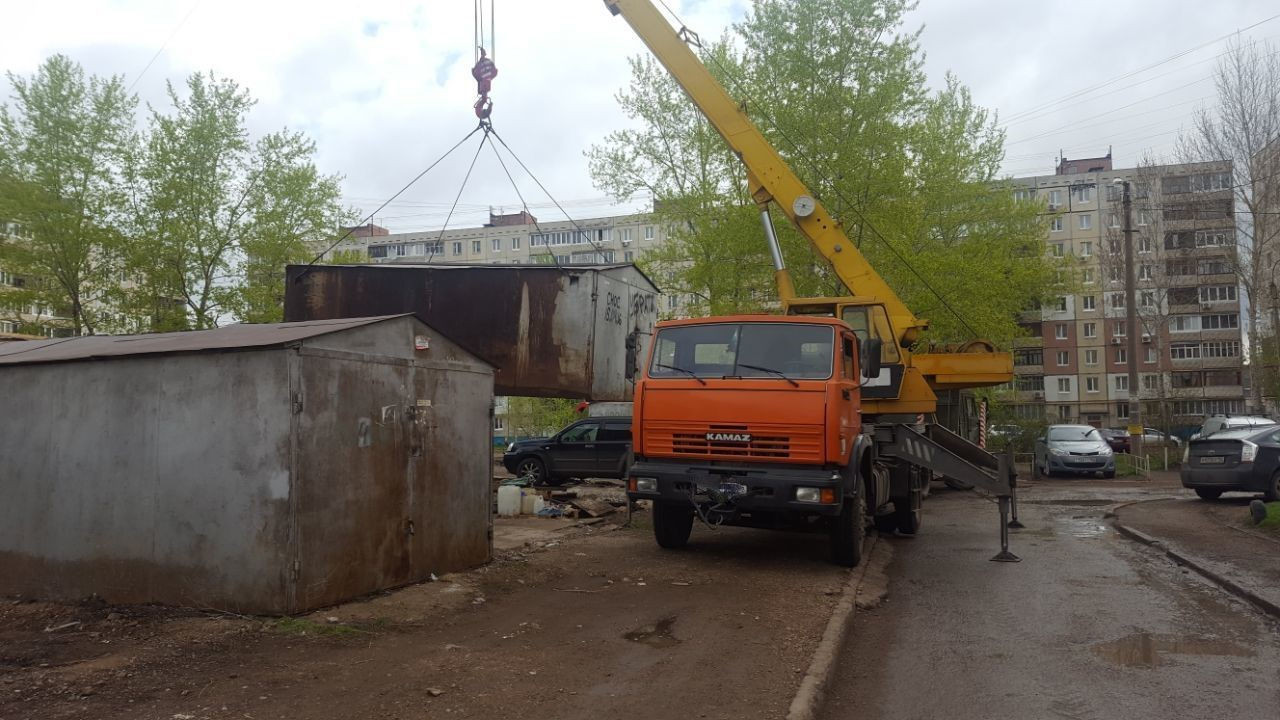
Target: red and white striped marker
{"points": [[982, 424]]}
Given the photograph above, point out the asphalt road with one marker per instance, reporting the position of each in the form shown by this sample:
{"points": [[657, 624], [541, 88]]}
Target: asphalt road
{"points": [[1088, 625]]}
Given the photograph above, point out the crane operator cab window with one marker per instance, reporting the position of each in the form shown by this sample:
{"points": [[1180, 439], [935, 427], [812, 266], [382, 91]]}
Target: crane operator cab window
{"points": [[872, 321]]}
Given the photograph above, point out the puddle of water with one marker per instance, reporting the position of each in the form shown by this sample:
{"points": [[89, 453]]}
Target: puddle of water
{"points": [[658, 635], [1086, 527], [1074, 502], [1145, 650]]}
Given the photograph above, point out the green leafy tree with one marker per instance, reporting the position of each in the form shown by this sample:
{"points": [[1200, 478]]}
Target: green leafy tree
{"points": [[218, 215], [531, 417], [62, 143], [839, 89]]}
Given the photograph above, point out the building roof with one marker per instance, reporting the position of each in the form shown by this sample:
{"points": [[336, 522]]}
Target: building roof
{"points": [[228, 337], [14, 337]]}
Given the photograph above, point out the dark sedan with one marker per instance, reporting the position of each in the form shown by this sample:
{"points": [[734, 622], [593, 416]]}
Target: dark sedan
{"points": [[1118, 440], [593, 448], [1246, 460]]}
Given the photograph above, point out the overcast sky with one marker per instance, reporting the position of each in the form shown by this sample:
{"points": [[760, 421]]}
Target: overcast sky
{"points": [[383, 86]]}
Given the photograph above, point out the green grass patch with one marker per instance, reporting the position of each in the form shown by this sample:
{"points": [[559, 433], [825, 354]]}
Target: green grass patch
{"points": [[300, 626], [1272, 521]]}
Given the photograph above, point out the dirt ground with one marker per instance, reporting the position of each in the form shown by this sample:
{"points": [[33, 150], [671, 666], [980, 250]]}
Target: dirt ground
{"points": [[582, 622]]}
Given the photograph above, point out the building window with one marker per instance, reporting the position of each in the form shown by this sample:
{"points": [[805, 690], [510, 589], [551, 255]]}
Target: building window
{"points": [[1022, 195], [1029, 383], [1184, 323], [1062, 304], [648, 232], [1087, 276], [1060, 331], [1120, 329], [623, 235], [1222, 348], [1150, 355], [1122, 356], [1064, 412], [1064, 385], [1144, 244], [1219, 322], [1144, 217], [1122, 411], [1117, 300], [1113, 220], [1085, 222], [1144, 272], [457, 247], [1183, 380], [1089, 302], [628, 256], [1091, 384], [1217, 293], [1086, 249], [1090, 329], [1082, 193], [1064, 358], [1150, 382], [475, 247], [1028, 356], [1148, 298], [1090, 357], [515, 243], [1122, 382], [1059, 250], [1055, 225], [1055, 199], [496, 243], [1184, 351]]}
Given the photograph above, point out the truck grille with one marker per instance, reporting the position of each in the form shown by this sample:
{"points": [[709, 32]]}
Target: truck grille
{"points": [[768, 442]]}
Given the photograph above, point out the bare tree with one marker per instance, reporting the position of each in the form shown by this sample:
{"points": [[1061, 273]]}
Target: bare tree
{"points": [[1243, 126]]}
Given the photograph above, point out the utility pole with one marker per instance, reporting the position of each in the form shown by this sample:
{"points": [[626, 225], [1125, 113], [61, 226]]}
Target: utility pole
{"points": [[1275, 333], [1131, 321]]}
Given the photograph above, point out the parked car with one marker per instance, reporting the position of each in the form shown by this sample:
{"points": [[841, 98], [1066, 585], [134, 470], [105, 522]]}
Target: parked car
{"points": [[1001, 431], [1077, 449], [595, 447], [1152, 437], [1117, 440], [1245, 459], [1218, 423]]}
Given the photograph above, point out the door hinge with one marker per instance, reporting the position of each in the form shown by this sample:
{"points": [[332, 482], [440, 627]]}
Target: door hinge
{"points": [[297, 403], [296, 570]]}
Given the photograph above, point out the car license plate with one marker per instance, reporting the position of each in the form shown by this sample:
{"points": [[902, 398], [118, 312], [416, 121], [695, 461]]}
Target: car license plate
{"points": [[1211, 460]]}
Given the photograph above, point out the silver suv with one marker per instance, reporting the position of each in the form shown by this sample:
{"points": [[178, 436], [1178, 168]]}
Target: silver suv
{"points": [[1218, 423]]}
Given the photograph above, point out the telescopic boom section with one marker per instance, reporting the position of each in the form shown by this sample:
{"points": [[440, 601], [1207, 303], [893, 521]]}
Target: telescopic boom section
{"points": [[770, 178]]}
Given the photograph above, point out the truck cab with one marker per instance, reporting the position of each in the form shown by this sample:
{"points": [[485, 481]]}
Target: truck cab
{"points": [[755, 420]]}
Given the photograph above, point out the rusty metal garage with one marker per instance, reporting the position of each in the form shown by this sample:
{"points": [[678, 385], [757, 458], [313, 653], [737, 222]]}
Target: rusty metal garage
{"points": [[255, 468]]}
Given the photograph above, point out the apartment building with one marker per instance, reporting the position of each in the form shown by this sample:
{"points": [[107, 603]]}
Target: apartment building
{"points": [[23, 316], [1074, 364]]}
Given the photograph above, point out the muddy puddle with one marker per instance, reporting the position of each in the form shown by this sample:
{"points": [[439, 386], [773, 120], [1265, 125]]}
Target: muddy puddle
{"points": [[657, 635], [1146, 650]]}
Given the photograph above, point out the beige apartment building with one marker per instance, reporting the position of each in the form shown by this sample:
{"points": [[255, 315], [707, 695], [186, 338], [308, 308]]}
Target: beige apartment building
{"points": [[1074, 365], [18, 317]]}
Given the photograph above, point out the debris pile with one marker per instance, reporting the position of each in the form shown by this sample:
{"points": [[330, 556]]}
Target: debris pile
{"points": [[591, 499]]}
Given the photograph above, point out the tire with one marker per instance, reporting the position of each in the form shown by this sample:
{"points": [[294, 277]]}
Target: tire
{"points": [[532, 466], [907, 514], [1272, 492], [672, 523], [1208, 493], [885, 524], [847, 531]]}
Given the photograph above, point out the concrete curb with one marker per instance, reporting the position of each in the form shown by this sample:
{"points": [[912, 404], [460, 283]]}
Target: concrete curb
{"points": [[1201, 567], [813, 687]]}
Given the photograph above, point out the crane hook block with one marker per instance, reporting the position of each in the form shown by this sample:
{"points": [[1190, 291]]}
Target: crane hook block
{"points": [[484, 72]]}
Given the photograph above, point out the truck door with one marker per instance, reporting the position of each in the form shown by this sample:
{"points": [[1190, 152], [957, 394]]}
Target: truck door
{"points": [[849, 382]]}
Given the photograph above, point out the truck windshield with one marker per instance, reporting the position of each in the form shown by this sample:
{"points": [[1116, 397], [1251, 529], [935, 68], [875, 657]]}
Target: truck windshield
{"points": [[749, 350]]}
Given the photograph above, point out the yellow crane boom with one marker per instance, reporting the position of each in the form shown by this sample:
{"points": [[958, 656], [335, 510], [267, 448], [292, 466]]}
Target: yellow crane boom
{"points": [[909, 379]]}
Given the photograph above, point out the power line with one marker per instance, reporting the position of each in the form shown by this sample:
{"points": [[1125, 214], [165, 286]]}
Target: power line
{"points": [[1124, 76], [163, 45]]}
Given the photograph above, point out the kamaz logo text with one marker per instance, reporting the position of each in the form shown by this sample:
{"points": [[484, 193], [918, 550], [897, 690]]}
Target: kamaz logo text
{"points": [[729, 437]]}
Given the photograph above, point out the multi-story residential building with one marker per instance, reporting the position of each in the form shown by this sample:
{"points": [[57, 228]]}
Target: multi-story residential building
{"points": [[1074, 365], [25, 316]]}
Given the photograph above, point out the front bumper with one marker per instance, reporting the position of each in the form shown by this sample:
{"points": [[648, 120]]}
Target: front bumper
{"points": [[770, 488], [1241, 477], [1082, 463]]}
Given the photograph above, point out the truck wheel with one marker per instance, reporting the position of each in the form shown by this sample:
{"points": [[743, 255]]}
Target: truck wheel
{"points": [[847, 533], [885, 524], [906, 513], [1208, 493], [1272, 492], [672, 523]]}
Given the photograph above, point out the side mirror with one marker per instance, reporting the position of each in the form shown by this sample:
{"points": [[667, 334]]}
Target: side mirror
{"points": [[869, 355], [633, 348]]}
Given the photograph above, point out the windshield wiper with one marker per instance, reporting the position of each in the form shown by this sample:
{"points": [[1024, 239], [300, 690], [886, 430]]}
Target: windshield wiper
{"points": [[687, 371], [779, 373]]}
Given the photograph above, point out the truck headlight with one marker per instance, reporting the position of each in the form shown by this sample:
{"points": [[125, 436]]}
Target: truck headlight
{"points": [[644, 484], [816, 495]]}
